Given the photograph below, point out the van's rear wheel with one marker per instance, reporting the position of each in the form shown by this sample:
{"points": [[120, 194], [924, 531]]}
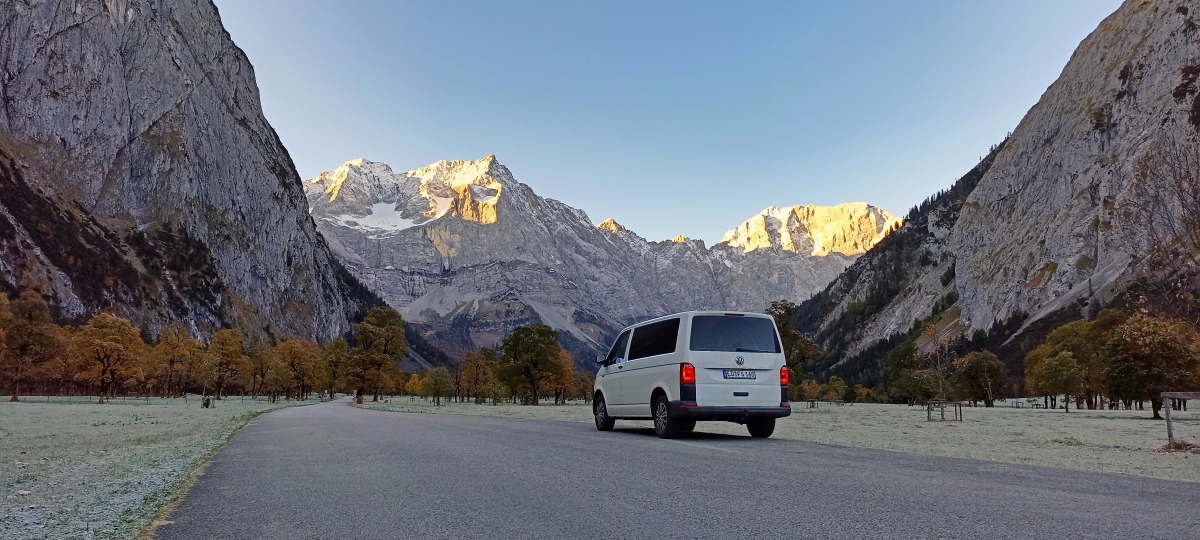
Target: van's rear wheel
{"points": [[604, 422], [761, 428], [687, 426], [664, 426]]}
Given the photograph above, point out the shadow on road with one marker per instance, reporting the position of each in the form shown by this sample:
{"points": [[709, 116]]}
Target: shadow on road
{"points": [[693, 436]]}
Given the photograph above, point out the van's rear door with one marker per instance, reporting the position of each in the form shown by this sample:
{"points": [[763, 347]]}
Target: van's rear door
{"points": [[737, 359]]}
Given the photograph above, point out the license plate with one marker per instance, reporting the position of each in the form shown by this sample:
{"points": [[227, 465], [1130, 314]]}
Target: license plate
{"points": [[739, 374]]}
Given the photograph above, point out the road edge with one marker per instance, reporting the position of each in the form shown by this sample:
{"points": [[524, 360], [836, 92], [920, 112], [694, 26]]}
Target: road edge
{"points": [[189, 479]]}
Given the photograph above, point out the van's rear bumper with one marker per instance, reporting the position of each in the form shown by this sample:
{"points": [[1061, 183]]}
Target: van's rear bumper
{"points": [[688, 410]]}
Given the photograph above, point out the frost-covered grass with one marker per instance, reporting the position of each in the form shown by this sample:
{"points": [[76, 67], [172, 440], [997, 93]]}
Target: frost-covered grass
{"points": [[1102, 441], [81, 470]]}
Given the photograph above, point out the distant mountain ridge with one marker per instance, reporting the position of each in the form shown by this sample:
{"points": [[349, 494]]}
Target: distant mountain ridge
{"points": [[468, 253], [847, 229]]}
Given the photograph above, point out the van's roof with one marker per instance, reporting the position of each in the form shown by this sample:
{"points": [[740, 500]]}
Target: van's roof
{"points": [[681, 314]]}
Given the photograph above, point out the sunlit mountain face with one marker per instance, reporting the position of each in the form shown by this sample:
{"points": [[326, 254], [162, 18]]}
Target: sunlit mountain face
{"points": [[468, 253]]}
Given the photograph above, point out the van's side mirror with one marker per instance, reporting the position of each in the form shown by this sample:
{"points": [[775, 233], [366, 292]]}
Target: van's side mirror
{"points": [[600, 359]]}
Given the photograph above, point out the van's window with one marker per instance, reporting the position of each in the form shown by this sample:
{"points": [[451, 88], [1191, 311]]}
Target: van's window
{"points": [[733, 334], [618, 348], [654, 339]]}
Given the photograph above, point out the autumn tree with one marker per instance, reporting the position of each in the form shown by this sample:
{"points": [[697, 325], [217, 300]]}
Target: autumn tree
{"points": [[394, 379], [302, 358], [335, 357], [810, 390], [107, 350], [562, 382], [1061, 374], [30, 339], [415, 385], [59, 370], [1094, 365], [1084, 340], [980, 376], [261, 360], [456, 374], [479, 373], [585, 383], [529, 359], [380, 347], [912, 375], [437, 383], [835, 389], [1147, 356], [1033, 365], [862, 394], [175, 350], [274, 377], [227, 360]]}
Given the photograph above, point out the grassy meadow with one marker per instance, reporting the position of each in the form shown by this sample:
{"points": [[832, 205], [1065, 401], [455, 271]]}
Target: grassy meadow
{"points": [[1127, 442], [76, 469]]}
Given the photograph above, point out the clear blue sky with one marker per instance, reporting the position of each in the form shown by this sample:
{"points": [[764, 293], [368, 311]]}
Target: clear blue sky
{"points": [[674, 117]]}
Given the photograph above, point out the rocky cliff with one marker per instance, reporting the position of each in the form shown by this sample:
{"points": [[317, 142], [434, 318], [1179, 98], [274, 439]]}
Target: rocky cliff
{"points": [[1054, 220], [469, 253], [139, 175]]}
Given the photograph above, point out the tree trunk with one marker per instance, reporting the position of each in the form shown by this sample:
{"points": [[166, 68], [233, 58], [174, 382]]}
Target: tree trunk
{"points": [[16, 385], [1157, 406]]}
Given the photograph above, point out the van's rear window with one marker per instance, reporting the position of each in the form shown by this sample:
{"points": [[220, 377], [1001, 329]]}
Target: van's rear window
{"points": [[733, 334]]}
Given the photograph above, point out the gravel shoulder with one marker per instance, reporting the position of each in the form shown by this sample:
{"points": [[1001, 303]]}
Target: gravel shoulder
{"points": [[1126, 442]]}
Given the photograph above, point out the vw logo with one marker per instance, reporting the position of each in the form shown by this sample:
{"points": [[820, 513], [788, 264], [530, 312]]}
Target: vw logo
{"points": [[739, 360]]}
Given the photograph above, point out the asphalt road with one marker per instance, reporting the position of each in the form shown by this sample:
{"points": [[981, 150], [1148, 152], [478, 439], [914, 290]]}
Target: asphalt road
{"points": [[332, 471]]}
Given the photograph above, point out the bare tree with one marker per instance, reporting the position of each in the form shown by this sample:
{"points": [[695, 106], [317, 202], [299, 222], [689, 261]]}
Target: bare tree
{"points": [[1166, 198]]}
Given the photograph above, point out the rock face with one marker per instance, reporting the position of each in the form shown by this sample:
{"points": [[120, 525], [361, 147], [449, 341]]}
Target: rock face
{"points": [[1055, 220], [847, 229], [139, 175], [469, 253]]}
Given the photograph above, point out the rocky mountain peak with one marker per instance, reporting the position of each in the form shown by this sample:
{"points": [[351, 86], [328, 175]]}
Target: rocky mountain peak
{"points": [[332, 181], [611, 226], [466, 189], [372, 196], [848, 229]]}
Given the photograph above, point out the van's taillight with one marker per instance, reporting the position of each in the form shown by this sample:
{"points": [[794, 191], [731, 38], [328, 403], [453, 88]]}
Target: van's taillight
{"points": [[783, 376], [687, 374]]}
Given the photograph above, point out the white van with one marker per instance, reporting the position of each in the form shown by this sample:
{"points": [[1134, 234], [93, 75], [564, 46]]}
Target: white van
{"points": [[698, 365]]}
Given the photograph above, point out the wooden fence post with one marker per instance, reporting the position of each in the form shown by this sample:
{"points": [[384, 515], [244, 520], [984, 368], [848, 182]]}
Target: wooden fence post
{"points": [[1170, 433]]}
